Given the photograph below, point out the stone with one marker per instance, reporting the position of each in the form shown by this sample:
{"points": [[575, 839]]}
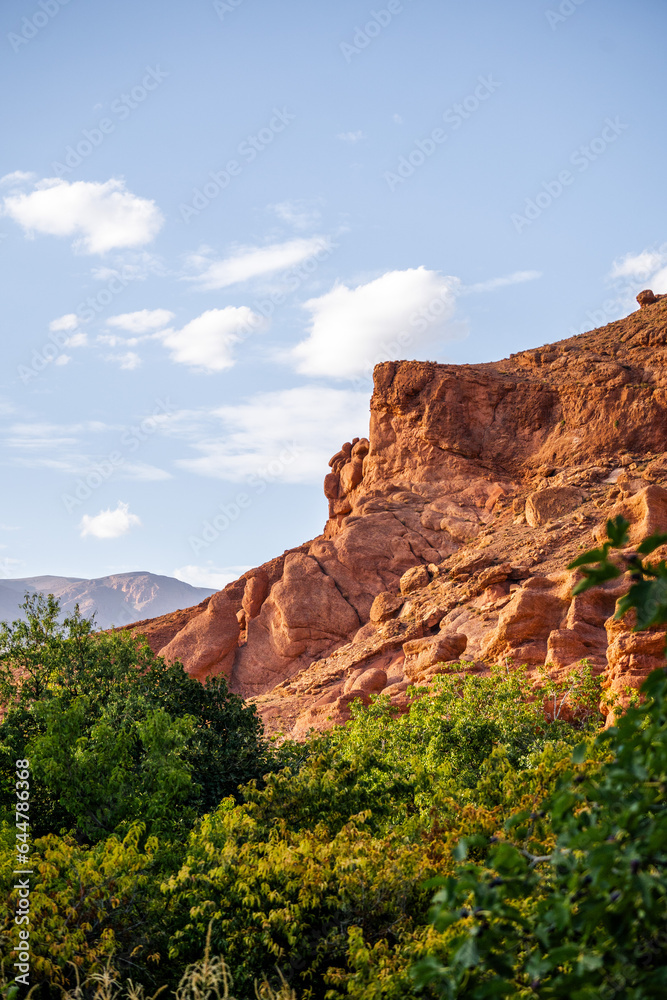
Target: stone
{"points": [[208, 643], [646, 511], [452, 460], [368, 682], [385, 605], [550, 503], [420, 654], [255, 593], [525, 624], [646, 298], [414, 579], [351, 475]]}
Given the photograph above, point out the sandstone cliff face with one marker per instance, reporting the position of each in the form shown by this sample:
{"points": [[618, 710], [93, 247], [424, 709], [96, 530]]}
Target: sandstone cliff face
{"points": [[449, 530]]}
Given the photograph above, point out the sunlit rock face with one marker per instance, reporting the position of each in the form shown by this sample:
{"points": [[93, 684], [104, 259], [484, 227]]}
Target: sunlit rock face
{"points": [[449, 530]]}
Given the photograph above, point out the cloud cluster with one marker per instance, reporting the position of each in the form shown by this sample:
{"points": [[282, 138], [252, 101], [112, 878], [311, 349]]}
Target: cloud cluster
{"points": [[254, 262], [101, 215], [648, 267], [142, 321], [285, 436], [109, 523], [396, 315], [207, 342]]}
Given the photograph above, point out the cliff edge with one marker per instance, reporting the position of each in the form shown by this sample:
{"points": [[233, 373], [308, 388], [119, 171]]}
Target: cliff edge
{"points": [[449, 530]]}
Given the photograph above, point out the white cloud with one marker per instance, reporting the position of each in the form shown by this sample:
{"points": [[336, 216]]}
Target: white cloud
{"points": [[300, 214], [17, 177], [286, 436], [127, 361], [69, 321], [648, 269], [142, 321], [77, 340], [396, 315], [213, 577], [63, 359], [517, 278], [351, 136], [254, 262], [131, 265], [109, 523], [207, 342], [101, 215], [142, 472]]}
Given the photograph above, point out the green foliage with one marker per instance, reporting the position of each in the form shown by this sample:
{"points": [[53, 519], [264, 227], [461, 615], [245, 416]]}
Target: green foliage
{"points": [[113, 735], [588, 918], [310, 871], [648, 594]]}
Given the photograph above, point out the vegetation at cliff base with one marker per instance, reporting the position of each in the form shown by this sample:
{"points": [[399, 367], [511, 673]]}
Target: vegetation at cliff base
{"points": [[489, 843]]}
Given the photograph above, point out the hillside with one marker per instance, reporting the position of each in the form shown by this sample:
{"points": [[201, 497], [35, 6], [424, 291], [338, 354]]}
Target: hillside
{"points": [[117, 600], [449, 530]]}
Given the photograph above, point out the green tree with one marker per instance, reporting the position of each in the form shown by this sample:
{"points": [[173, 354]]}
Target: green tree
{"points": [[113, 734], [587, 918]]}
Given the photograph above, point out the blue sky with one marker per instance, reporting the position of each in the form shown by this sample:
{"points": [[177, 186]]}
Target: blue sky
{"points": [[216, 217]]}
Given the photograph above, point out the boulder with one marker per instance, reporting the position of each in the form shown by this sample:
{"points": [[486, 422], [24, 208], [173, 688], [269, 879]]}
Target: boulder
{"points": [[524, 626], [255, 593], [385, 605], [550, 503], [646, 511], [208, 643], [368, 682], [414, 579], [420, 654]]}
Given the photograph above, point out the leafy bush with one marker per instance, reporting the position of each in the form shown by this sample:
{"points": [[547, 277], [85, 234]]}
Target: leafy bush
{"points": [[312, 871], [114, 736], [587, 919]]}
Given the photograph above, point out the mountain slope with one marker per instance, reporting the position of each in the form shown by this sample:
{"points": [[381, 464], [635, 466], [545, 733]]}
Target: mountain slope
{"points": [[117, 600], [449, 531]]}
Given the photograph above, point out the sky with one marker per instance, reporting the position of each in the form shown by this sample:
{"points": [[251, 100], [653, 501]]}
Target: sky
{"points": [[217, 216]]}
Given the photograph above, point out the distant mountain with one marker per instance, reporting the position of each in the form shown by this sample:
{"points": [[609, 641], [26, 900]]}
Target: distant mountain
{"points": [[117, 600]]}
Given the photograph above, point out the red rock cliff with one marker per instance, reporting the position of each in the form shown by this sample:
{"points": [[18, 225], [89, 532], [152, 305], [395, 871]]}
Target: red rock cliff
{"points": [[449, 530]]}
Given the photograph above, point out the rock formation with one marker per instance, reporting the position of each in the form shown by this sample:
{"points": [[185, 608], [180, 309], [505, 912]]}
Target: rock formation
{"points": [[449, 531]]}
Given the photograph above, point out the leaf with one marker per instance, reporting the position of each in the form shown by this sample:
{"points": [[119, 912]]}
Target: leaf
{"points": [[579, 753], [593, 555], [651, 543], [468, 954], [461, 850], [595, 577], [617, 531]]}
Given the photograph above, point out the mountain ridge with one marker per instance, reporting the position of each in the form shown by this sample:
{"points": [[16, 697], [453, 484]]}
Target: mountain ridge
{"points": [[117, 599], [449, 531]]}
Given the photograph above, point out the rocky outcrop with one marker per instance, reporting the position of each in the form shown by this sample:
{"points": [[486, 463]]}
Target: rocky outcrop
{"points": [[449, 531], [208, 643]]}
